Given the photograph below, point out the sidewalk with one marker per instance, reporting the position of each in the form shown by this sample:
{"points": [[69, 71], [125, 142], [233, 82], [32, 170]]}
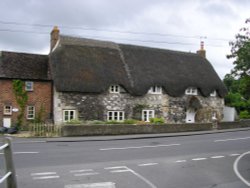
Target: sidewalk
{"points": [[117, 137]]}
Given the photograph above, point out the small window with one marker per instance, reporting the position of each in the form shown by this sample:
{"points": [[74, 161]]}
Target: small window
{"points": [[7, 110], [114, 89], [213, 94], [147, 115], [30, 112], [191, 91], [115, 116], [155, 90], [29, 86], [69, 115]]}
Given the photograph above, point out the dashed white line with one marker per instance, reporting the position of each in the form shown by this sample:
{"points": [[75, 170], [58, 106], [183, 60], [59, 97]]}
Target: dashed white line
{"points": [[42, 173], [199, 159], [148, 164], [232, 139], [181, 161], [234, 154], [92, 185], [217, 157], [83, 170], [45, 177], [138, 147], [24, 152], [87, 174]]}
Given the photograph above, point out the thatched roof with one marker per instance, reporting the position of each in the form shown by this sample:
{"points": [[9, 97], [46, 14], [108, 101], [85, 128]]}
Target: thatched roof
{"points": [[84, 65], [15, 65]]}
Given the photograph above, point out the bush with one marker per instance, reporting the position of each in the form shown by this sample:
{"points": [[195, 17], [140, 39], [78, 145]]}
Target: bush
{"points": [[244, 114], [157, 120], [130, 121]]}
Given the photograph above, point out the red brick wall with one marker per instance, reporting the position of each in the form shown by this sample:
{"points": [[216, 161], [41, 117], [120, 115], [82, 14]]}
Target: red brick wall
{"points": [[40, 96]]}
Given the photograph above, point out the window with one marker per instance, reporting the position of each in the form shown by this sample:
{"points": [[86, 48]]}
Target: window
{"points": [[147, 114], [30, 112], [114, 89], [213, 94], [69, 115], [155, 90], [191, 91], [115, 116], [7, 110], [29, 86]]}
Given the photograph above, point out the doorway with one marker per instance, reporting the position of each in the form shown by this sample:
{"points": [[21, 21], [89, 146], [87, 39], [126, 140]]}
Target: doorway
{"points": [[7, 122], [190, 116]]}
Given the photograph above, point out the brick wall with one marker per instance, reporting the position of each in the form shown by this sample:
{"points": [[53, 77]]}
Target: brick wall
{"points": [[39, 97]]}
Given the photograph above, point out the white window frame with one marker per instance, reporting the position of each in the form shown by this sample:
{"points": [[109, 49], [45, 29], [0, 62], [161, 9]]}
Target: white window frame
{"points": [[155, 90], [70, 116], [7, 110], [191, 91], [115, 116], [114, 89], [147, 115], [29, 86], [31, 112], [213, 94]]}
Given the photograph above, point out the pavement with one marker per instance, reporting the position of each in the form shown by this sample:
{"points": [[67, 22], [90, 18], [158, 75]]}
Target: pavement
{"points": [[17, 138]]}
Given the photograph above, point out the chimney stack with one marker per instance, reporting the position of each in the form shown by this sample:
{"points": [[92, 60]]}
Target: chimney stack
{"points": [[202, 51], [54, 37]]}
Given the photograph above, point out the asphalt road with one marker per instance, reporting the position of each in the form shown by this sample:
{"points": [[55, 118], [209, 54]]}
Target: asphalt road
{"points": [[198, 161]]}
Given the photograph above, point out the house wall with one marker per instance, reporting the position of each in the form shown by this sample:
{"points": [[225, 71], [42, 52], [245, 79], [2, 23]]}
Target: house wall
{"points": [[40, 97], [172, 109]]}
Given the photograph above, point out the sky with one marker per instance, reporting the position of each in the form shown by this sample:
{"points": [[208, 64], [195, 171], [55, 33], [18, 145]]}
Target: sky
{"points": [[181, 25]]}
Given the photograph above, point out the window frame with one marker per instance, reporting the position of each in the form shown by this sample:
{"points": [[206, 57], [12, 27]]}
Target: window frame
{"points": [[191, 91], [148, 115], [29, 86], [114, 89], [69, 115], [115, 115], [7, 111], [213, 94], [155, 90], [30, 116]]}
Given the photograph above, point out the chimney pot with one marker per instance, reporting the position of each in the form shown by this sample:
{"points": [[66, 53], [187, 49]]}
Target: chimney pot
{"points": [[54, 37], [202, 51]]}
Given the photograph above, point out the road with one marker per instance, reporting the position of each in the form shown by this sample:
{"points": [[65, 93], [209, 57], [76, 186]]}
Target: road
{"points": [[198, 161]]}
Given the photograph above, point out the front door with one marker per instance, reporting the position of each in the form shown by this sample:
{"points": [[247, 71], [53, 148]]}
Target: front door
{"points": [[190, 116], [7, 122]]}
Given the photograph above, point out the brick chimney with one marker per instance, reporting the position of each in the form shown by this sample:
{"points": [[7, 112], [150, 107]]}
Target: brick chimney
{"points": [[202, 51], [54, 37]]}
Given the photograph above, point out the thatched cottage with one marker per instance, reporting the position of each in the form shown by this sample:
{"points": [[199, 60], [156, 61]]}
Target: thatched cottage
{"points": [[99, 80]]}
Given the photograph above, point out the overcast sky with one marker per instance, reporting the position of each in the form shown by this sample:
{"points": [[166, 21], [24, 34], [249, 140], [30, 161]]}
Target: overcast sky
{"points": [[25, 25]]}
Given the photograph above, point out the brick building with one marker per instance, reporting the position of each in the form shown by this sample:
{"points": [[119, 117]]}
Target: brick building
{"points": [[33, 71]]}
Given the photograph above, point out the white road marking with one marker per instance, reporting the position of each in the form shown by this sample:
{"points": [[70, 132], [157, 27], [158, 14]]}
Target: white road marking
{"points": [[199, 159], [148, 164], [138, 147], [44, 175], [93, 185], [217, 157], [234, 154], [117, 169], [236, 162], [83, 170], [232, 139], [87, 174], [24, 152], [181, 161]]}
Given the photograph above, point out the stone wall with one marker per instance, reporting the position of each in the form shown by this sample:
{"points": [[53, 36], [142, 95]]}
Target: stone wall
{"points": [[172, 109]]}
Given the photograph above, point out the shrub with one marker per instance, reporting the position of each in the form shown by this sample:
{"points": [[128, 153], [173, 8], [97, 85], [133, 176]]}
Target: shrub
{"points": [[130, 121], [244, 114], [157, 120]]}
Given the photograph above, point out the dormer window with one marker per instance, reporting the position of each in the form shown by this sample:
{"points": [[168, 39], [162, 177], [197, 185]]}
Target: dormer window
{"points": [[29, 86], [191, 91], [155, 90], [114, 89], [213, 94]]}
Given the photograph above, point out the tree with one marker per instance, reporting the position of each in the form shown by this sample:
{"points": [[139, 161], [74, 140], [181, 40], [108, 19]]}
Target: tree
{"points": [[238, 82], [240, 51]]}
